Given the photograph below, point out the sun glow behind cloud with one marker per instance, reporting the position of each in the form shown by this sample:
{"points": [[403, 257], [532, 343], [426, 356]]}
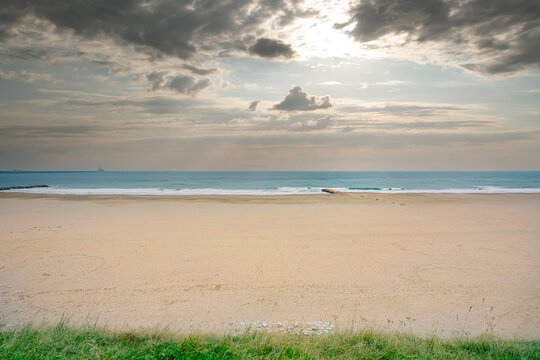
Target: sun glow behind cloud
{"points": [[317, 36], [322, 37]]}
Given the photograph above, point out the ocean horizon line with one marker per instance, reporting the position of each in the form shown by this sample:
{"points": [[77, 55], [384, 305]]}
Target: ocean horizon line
{"points": [[267, 171]]}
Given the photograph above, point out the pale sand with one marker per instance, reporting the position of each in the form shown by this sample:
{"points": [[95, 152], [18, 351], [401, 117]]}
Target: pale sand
{"points": [[413, 263]]}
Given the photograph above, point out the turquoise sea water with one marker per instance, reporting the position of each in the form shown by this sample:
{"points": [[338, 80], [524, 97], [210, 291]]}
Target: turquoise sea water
{"points": [[272, 183]]}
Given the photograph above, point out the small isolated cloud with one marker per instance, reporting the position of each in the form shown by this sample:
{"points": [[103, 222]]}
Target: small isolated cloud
{"points": [[299, 100], [184, 84], [253, 105], [271, 48], [311, 125]]}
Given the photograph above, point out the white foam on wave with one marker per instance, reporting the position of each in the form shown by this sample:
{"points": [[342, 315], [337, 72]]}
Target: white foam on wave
{"points": [[156, 191], [267, 192], [475, 190]]}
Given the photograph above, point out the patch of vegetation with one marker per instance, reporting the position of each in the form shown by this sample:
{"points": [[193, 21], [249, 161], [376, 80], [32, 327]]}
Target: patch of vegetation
{"points": [[64, 342]]}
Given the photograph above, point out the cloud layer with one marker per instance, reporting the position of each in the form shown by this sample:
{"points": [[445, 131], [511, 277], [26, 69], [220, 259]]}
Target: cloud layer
{"points": [[491, 37], [24, 76], [178, 28]]}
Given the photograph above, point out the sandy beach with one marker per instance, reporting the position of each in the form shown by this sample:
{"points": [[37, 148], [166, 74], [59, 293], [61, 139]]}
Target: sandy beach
{"points": [[444, 264]]}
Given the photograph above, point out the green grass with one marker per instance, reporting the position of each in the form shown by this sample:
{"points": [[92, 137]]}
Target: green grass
{"points": [[64, 342]]}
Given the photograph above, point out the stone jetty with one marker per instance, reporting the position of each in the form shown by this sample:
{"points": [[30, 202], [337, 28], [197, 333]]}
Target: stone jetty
{"points": [[22, 187]]}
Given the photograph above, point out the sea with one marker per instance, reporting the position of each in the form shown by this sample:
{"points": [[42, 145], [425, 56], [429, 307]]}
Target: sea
{"points": [[270, 182]]}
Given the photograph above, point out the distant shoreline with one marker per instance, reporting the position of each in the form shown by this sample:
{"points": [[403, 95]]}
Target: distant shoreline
{"points": [[318, 198]]}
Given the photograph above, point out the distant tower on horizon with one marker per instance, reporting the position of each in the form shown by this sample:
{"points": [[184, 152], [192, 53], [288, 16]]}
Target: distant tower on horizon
{"points": [[100, 169]]}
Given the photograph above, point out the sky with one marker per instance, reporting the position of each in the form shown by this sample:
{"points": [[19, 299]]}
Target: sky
{"points": [[270, 85]]}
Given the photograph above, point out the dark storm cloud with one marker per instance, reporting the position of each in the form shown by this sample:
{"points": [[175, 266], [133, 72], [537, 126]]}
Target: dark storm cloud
{"points": [[253, 105], [174, 27], [271, 48], [299, 100], [500, 36]]}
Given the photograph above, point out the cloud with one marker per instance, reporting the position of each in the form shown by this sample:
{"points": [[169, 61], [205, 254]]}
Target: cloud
{"points": [[165, 27], [271, 48], [378, 139], [24, 76], [183, 84], [293, 12], [497, 37], [329, 83], [299, 100], [405, 109], [253, 105], [132, 105], [156, 78], [50, 131], [197, 70], [420, 125], [390, 83], [312, 125], [303, 122], [197, 112]]}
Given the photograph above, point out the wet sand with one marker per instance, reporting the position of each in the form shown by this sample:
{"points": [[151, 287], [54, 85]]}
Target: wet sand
{"points": [[445, 264]]}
